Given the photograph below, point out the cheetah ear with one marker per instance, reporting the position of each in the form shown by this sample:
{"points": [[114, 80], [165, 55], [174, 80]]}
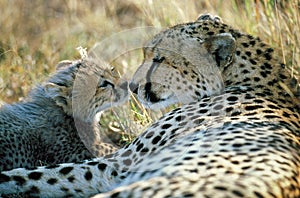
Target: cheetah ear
{"points": [[63, 64], [222, 47], [208, 17], [60, 95]]}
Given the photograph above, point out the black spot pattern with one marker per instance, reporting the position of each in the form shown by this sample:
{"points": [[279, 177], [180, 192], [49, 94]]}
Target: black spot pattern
{"points": [[35, 175], [88, 175], [4, 178], [19, 180], [71, 179], [239, 133], [102, 166], [52, 181], [156, 140], [66, 170]]}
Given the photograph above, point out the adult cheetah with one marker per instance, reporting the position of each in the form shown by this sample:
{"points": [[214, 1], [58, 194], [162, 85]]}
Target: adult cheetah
{"points": [[42, 128], [238, 138]]}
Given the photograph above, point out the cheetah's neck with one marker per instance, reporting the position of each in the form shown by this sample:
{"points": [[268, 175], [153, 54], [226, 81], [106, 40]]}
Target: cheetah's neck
{"points": [[255, 66]]}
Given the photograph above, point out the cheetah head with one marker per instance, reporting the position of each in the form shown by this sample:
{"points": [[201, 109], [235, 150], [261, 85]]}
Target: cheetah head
{"points": [[84, 88], [182, 65]]}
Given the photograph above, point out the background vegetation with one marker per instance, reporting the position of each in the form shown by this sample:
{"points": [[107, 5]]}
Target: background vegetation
{"points": [[36, 35]]}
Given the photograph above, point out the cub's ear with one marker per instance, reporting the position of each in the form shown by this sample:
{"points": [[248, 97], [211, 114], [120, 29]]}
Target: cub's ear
{"points": [[63, 64], [61, 96], [222, 47]]}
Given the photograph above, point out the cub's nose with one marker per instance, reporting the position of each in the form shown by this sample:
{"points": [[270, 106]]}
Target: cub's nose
{"points": [[134, 87], [124, 85]]}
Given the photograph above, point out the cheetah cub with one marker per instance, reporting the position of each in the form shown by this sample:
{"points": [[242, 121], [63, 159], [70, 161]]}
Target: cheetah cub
{"points": [[43, 128]]}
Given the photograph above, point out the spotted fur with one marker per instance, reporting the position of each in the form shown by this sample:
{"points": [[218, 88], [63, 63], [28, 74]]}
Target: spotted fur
{"points": [[41, 129], [238, 136]]}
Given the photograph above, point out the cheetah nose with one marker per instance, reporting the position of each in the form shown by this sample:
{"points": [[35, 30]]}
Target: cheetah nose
{"points": [[134, 87], [124, 85]]}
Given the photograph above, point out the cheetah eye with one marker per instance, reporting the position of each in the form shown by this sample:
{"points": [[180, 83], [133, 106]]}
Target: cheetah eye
{"points": [[105, 83], [113, 72]]}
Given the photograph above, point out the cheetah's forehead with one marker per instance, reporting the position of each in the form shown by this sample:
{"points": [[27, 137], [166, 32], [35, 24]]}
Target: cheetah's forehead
{"points": [[66, 75], [198, 30], [94, 67], [168, 40]]}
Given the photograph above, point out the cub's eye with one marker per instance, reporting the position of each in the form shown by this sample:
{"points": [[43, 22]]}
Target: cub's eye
{"points": [[105, 83], [113, 72]]}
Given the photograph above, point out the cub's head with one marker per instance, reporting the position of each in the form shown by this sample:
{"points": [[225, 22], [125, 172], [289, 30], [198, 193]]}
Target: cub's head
{"points": [[182, 64], [85, 87]]}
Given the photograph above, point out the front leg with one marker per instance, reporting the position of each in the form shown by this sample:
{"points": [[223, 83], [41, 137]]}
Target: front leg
{"points": [[78, 180]]}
